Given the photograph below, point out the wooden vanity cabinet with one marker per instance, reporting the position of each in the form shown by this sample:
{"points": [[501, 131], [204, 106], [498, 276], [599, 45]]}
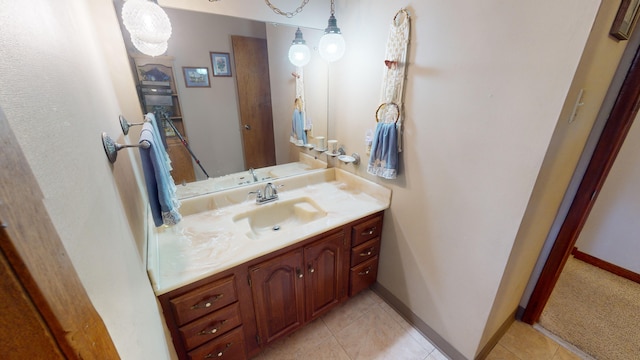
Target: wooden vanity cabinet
{"points": [[206, 318], [298, 286], [365, 242], [236, 313]]}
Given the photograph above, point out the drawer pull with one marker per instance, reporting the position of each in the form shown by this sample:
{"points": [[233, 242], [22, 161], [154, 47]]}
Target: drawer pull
{"points": [[207, 303], [366, 272], [218, 354], [369, 231], [368, 253], [213, 330]]}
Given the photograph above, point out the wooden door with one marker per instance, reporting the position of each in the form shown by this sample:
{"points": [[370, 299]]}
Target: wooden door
{"points": [[277, 287], [326, 274], [254, 101], [38, 260]]}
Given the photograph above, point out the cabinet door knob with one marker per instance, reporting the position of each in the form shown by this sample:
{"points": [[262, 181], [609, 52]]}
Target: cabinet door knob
{"points": [[299, 273], [311, 269]]}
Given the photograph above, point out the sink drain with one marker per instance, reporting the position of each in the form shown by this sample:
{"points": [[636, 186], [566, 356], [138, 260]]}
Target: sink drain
{"points": [[276, 228]]}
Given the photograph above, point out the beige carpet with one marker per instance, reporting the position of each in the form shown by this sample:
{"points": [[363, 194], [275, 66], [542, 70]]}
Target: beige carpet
{"points": [[596, 311]]}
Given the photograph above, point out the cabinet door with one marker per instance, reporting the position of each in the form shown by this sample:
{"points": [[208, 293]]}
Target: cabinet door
{"points": [[327, 271], [277, 287]]}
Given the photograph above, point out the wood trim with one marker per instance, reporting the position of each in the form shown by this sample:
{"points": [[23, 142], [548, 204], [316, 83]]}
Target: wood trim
{"points": [[39, 260], [605, 265], [615, 131]]}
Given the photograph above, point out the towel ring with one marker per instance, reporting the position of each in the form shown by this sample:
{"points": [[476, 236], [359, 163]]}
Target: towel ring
{"points": [[111, 147], [384, 105]]}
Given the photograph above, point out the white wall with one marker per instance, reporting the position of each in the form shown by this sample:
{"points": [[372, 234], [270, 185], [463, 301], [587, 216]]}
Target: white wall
{"points": [[60, 63], [610, 232], [486, 85]]}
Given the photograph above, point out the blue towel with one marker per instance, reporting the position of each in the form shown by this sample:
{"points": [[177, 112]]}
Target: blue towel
{"points": [[298, 126], [384, 151], [160, 186]]}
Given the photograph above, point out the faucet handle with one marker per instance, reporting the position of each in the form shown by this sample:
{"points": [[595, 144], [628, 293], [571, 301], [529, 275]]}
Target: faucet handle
{"points": [[258, 194]]}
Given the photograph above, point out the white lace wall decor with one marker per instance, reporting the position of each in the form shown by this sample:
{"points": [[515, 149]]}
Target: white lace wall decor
{"points": [[387, 140]]}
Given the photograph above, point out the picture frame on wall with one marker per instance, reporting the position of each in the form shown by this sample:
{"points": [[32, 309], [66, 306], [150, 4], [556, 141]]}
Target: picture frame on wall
{"points": [[196, 76], [221, 64], [625, 20]]}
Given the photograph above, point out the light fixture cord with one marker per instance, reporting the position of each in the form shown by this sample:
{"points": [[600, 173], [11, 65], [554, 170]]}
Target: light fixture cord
{"points": [[333, 8], [288, 14]]}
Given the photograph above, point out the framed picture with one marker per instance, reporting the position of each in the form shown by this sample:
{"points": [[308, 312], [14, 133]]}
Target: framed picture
{"points": [[196, 76], [220, 64], [625, 19]]}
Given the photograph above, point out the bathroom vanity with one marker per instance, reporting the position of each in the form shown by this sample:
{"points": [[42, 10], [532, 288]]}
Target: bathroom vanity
{"points": [[235, 276]]}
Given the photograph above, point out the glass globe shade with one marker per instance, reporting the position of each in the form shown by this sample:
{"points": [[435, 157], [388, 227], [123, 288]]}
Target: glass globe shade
{"points": [[146, 21], [332, 46], [299, 54], [147, 48]]}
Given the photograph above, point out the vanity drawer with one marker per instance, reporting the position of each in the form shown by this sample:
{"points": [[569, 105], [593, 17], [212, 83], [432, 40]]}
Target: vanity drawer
{"points": [[211, 326], [204, 300], [227, 346], [363, 275], [366, 231], [365, 251]]}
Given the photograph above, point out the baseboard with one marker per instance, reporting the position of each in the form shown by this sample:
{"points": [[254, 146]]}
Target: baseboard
{"points": [[486, 349], [413, 319], [604, 265]]}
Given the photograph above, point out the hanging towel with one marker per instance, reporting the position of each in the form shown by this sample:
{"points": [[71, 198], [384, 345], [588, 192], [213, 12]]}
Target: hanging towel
{"points": [[161, 189], [384, 151], [298, 126]]}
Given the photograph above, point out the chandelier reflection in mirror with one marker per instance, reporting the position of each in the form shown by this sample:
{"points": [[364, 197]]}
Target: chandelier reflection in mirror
{"points": [[148, 25], [332, 45], [299, 53]]}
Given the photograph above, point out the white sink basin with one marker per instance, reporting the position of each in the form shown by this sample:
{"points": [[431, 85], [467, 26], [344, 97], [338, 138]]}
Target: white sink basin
{"points": [[268, 219]]}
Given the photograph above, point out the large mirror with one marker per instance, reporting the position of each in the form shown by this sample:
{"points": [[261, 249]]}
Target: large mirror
{"points": [[211, 115]]}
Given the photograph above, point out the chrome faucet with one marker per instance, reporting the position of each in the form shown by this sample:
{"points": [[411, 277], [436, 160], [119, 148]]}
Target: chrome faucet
{"points": [[253, 173], [269, 194]]}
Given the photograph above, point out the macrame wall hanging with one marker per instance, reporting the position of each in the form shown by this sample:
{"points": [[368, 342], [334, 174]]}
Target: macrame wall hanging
{"points": [[387, 139], [300, 123]]}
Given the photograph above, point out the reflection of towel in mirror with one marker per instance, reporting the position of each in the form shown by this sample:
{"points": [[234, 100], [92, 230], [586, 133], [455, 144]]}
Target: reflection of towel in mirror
{"points": [[298, 126], [160, 186], [384, 151]]}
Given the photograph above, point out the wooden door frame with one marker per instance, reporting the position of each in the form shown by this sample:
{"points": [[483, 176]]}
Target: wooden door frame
{"points": [[607, 148]]}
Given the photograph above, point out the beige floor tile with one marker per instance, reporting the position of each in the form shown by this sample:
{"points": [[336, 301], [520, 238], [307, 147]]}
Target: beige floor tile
{"points": [[308, 337], [415, 334], [375, 335], [348, 312], [564, 354], [436, 355], [527, 343], [499, 352], [328, 349]]}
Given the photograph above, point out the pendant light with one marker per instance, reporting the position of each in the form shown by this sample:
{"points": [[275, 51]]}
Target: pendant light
{"points": [[148, 25], [299, 53], [332, 44]]}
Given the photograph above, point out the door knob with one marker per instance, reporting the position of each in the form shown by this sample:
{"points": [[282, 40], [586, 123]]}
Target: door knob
{"points": [[247, 127]]}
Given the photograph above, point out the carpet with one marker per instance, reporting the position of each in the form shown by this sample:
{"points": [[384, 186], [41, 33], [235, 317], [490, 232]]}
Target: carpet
{"points": [[596, 311]]}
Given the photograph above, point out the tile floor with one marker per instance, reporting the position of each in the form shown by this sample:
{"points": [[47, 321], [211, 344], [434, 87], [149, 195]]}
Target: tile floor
{"points": [[365, 327]]}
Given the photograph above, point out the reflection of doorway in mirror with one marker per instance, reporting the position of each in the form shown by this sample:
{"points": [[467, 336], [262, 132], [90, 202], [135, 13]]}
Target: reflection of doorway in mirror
{"points": [[254, 97]]}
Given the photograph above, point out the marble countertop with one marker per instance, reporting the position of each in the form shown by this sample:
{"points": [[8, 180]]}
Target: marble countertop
{"points": [[207, 241]]}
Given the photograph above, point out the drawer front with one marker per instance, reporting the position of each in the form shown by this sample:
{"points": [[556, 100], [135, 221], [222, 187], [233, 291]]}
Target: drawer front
{"points": [[204, 300], [227, 346], [366, 231], [363, 276], [365, 251], [211, 326]]}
